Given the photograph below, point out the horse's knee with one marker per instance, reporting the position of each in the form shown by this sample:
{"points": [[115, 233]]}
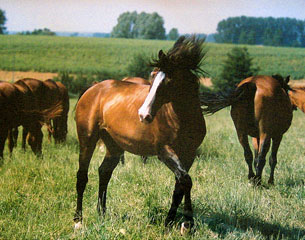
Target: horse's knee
{"points": [[186, 182]]}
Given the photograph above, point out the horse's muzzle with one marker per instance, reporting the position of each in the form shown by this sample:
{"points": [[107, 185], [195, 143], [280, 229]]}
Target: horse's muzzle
{"points": [[146, 118]]}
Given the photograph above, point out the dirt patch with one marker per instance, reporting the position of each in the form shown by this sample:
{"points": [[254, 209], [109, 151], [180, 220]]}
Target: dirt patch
{"points": [[15, 76]]}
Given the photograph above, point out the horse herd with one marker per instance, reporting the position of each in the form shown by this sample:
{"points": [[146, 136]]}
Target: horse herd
{"points": [[163, 117], [31, 103]]}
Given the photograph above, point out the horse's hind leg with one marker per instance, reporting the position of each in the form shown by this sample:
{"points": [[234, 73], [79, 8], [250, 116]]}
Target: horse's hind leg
{"points": [[243, 139], [87, 145], [264, 146], [255, 142], [111, 160], [273, 157]]}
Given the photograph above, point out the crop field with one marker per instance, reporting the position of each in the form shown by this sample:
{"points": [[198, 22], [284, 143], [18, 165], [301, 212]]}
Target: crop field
{"points": [[38, 196], [112, 56]]}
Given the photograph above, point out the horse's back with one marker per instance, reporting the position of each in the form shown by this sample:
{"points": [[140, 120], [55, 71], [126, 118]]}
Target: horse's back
{"points": [[266, 108], [136, 80]]}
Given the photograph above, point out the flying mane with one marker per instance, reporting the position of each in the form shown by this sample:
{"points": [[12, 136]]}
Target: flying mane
{"points": [[187, 54]]}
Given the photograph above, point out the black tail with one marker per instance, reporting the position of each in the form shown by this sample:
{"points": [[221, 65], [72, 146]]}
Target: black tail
{"points": [[213, 102]]}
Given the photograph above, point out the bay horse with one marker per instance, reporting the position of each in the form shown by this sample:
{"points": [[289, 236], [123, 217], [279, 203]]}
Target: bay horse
{"points": [[260, 108], [43, 95], [162, 119], [16, 109], [297, 97]]}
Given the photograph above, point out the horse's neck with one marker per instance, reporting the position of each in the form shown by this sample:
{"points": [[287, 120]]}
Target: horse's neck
{"points": [[186, 104]]}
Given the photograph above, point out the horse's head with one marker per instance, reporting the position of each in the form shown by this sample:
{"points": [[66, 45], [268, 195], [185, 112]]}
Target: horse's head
{"points": [[156, 97], [60, 129], [174, 73]]}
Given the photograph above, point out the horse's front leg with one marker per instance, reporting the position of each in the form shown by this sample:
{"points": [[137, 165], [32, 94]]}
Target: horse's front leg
{"points": [[183, 186]]}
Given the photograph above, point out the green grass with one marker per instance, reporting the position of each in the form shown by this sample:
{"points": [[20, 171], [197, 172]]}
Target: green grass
{"points": [[112, 56], [38, 196]]}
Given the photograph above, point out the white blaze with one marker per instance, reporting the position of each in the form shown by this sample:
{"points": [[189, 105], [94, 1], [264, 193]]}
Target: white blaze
{"points": [[145, 109]]}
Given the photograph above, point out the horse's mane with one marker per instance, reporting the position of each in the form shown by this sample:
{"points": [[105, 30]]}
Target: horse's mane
{"points": [[283, 81], [187, 53]]}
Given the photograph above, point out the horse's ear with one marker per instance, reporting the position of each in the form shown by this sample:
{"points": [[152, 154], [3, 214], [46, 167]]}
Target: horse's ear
{"points": [[161, 54], [287, 79]]}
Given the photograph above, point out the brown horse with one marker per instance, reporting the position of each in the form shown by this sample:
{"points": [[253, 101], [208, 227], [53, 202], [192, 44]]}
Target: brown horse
{"points": [[261, 109], [43, 95], [162, 119], [297, 97], [16, 109]]}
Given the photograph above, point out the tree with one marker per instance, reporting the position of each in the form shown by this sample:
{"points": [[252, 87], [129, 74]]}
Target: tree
{"points": [[143, 25], [125, 25], [173, 34], [237, 67], [2, 21], [45, 31]]}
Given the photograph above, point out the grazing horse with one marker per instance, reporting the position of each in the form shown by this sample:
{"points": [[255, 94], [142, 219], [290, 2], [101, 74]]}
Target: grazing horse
{"points": [[16, 104], [43, 95], [162, 119], [297, 97], [60, 123], [261, 109]]}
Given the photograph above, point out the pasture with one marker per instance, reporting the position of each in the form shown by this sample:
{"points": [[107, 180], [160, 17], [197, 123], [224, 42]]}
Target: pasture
{"points": [[38, 196], [110, 57]]}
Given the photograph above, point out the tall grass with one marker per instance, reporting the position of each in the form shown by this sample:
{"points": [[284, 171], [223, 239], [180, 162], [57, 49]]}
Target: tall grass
{"points": [[98, 55], [38, 196]]}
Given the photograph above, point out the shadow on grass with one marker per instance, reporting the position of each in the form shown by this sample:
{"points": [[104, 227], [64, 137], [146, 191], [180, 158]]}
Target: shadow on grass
{"points": [[224, 224]]}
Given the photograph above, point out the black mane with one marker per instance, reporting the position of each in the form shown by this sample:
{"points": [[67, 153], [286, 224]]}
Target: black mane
{"points": [[187, 53], [283, 81]]}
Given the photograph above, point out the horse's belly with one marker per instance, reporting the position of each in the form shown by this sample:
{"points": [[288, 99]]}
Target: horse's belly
{"points": [[134, 140]]}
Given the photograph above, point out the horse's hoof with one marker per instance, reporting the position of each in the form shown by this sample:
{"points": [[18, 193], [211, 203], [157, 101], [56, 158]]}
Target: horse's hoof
{"points": [[78, 226], [185, 228]]}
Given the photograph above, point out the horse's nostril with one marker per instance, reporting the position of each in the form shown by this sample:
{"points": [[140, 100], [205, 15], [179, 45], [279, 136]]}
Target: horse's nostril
{"points": [[148, 118]]}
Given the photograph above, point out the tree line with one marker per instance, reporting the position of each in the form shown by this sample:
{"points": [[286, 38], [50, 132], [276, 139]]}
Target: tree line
{"points": [[261, 31], [238, 30]]}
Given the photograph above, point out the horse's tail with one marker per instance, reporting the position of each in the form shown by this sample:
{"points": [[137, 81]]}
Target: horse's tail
{"points": [[45, 115], [213, 102]]}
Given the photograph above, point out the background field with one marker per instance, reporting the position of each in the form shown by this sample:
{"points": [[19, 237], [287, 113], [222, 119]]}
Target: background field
{"points": [[38, 196], [112, 56]]}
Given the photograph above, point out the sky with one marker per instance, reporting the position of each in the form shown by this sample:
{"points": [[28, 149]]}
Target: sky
{"points": [[188, 16]]}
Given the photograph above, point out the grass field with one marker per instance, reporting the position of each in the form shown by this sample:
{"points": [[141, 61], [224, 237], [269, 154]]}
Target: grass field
{"points": [[38, 196], [112, 56]]}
